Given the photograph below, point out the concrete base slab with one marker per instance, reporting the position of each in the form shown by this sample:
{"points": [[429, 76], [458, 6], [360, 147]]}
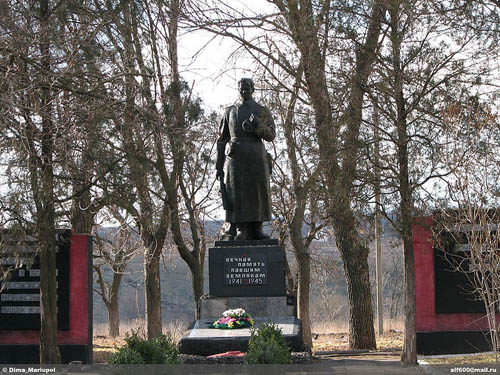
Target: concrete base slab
{"points": [[255, 306], [202, 340]]}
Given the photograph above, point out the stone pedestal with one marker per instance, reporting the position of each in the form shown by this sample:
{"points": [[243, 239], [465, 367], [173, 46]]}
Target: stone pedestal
{"points": [[202, 340], [247, 275]]}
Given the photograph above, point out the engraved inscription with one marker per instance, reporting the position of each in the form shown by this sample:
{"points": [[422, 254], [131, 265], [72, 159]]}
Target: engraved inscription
{"points": [[22, 285], [245, 270], [20, 310], [20, 297]]}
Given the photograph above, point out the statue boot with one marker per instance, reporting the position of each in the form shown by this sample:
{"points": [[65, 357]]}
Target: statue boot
{"points": [[256, 232], [242, 232], [229, 234]]}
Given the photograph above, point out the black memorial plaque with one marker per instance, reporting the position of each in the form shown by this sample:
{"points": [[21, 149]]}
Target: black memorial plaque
{"points": [[453, 291], [241, 271], [20, 293]]}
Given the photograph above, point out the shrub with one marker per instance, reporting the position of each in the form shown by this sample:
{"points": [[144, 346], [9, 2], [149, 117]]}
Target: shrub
{"points": [[267, 345], [127, 356], [138, 350]]}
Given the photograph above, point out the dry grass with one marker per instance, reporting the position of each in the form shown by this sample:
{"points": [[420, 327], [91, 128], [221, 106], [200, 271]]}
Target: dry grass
{"points": [[335, 337], [480, 358], [343, 327], [105, 346]]}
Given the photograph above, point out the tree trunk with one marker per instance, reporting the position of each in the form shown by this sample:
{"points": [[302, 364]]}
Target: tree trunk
{"points": [[49, 352], [355, 259], [304, 282], [137, 301], [409, 355], [303, 266], [113, 311], [152, 290], [114, 319], [378, 225], [341, 164], [197, 278], [82, 219]]}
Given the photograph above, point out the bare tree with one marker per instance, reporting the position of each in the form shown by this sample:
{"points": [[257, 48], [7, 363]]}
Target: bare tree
{"points": [[37, 83], [157, 134], [469, 233], [114, 249], [296, 199], [414, 79]]}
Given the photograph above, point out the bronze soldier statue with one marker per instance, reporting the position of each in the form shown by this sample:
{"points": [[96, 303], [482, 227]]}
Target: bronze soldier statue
{"points": [[245, 178]]}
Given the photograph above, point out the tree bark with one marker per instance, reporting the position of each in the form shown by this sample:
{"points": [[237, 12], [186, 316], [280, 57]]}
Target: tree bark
{"points": [[355, 260], [113, 311], [304, 282], [303, 258], [152, 289], [198, 280], [378, 224], [49, 352], [113, 319], [82, 219]]}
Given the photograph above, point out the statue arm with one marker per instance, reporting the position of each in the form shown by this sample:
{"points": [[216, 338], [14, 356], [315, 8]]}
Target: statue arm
{"points": [[223, 138], [265, 127]]}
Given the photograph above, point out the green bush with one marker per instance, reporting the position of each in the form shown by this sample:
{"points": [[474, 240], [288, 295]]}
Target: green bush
{"points": [[267, 345], [127, 356], [138, 350]]}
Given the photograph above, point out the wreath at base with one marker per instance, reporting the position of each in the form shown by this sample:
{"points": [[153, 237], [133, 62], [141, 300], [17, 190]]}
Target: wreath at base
{"points": [[233, 319]]}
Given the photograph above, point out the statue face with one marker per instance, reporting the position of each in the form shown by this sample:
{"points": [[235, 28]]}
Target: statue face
{"points": [[246, 90]]}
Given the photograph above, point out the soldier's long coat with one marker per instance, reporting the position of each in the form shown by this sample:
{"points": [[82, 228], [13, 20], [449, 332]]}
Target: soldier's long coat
{"points": [[247, 164]]}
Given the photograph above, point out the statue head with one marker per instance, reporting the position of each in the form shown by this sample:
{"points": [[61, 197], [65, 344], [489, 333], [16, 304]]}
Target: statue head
{"points": [[246, 88]]}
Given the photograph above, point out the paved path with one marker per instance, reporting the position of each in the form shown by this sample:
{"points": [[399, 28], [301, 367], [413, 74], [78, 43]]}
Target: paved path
{"points": [[328, 367], [362, 366]]}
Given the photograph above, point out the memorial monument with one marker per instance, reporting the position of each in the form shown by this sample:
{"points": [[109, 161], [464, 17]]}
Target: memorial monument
{"points": [[243, 165], [246, 268]]}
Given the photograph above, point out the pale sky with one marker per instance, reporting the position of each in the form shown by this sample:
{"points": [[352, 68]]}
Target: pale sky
{"points": [[207, 68], [206, 61]]}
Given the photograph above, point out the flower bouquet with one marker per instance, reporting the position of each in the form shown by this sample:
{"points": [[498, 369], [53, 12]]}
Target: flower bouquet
{"points": [[231, 319]]}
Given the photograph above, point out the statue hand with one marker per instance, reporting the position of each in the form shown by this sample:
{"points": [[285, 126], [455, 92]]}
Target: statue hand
{"points": [[220, 174], [250, 124]]}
